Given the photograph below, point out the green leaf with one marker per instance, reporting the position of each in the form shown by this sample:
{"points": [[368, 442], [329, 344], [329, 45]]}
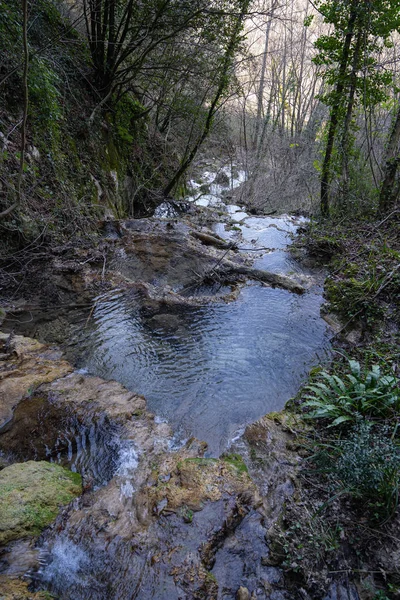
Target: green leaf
{"points": [[339, 420], [355, 368]]}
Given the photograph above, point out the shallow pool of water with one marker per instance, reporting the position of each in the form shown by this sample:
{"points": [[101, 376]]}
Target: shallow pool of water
{"points": [[208, 370]]}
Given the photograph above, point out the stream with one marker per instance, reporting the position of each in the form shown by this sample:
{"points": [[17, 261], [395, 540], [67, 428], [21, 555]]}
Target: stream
{"points": [[211, 370], [157, 518]]}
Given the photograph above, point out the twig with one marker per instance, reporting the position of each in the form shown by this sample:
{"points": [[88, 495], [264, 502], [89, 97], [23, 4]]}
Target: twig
{"points": [[90, 314], [103, 272]]}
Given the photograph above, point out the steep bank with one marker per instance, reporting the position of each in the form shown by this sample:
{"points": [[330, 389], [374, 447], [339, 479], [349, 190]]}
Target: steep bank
{"points": [[77, 168]]}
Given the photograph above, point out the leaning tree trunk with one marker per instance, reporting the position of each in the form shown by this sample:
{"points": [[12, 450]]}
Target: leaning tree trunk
{"points": [[388, 191]]}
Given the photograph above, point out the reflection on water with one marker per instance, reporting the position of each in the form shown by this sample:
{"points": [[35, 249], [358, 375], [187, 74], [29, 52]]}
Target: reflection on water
{"points": [[209, 370]]}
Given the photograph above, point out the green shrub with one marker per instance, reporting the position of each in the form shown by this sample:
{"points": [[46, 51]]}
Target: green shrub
{"points": [[360, 393], [366, 466]]}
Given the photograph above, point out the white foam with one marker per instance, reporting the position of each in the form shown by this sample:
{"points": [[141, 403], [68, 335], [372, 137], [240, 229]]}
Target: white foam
{"points": [[128, 459], [67, 561]]}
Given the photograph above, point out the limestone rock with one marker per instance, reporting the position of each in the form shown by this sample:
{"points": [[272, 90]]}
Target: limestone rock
{"points": [[31, 364], [243, 594]]}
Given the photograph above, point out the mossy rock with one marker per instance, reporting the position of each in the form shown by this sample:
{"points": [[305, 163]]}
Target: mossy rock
{"points": [[31, 495], [235, 461]]}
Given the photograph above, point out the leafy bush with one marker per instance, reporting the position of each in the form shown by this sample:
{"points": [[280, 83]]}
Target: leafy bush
{"points": [[365, 465], [360, 393]]}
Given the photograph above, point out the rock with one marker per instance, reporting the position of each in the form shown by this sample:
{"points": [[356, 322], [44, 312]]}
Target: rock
{"points": [[165, 321], [30, 365], [31, 494], [243, 594], [272, 461], [222, 179], [342, 591], [183, 523]]}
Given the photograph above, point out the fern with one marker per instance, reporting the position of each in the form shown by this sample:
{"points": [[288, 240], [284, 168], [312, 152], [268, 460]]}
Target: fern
{"points": [[359, 393]]}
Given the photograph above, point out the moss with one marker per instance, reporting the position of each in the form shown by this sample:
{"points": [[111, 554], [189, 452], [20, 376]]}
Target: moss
{"points": [[17, 589], [236, 461], [201, 462], [211, 577], [351, 296], [31, 494], [288, 419]]}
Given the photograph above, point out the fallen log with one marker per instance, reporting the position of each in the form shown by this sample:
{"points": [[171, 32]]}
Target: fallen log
{"points": [[272, 279], [212, 240]]}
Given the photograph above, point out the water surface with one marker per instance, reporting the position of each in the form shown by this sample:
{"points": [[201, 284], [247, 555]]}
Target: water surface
{"points": [[210, 370]]}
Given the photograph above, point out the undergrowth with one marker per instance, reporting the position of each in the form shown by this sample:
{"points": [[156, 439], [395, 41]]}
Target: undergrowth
{"points": [[344, 518]]}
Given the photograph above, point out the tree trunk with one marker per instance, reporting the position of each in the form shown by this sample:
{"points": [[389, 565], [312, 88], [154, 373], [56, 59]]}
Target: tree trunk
{"points": [[260, 94], [349, 115], [335, 114], [388, 192]]}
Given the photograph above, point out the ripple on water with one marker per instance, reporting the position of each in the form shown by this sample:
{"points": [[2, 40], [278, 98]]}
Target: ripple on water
{"points": [[219, 367]]}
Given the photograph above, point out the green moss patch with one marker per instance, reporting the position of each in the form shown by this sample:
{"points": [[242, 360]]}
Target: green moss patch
{"points": [[236, 461], [31, 495]]}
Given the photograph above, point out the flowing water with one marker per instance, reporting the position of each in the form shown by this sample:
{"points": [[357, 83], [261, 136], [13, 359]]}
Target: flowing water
{"points": [[210, 370]]}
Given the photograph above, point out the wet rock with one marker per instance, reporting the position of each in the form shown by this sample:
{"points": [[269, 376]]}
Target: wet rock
{"points": [[168, 532], [87, 424], [18, 557], [185, 524], [342, 591], [222, 179], [165, 321], [268, 447], [243, 594], [30, 364], [31, 494]]}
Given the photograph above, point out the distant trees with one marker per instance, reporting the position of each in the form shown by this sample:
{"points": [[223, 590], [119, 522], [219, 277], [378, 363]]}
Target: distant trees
{"points": [[348, 55], [278, 111]]}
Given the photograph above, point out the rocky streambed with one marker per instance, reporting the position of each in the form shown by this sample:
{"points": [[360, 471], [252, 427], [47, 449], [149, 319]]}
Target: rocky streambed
{"points": [[202, 311]]}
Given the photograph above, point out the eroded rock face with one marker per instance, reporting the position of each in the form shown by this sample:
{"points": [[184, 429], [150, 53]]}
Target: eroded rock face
{"points": [[31, 495]]}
